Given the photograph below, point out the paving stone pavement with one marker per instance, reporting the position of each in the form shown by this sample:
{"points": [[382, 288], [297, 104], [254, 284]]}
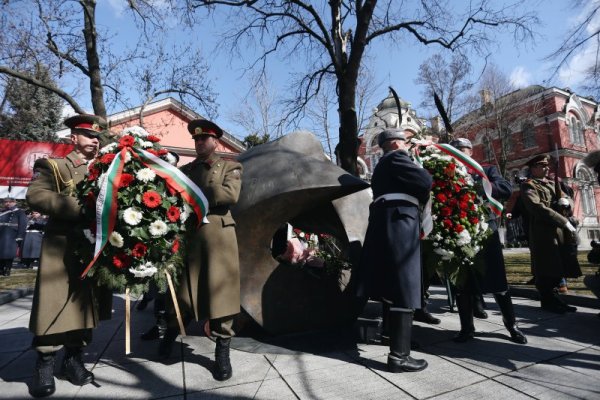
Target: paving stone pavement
{"points": [[561, 361]]}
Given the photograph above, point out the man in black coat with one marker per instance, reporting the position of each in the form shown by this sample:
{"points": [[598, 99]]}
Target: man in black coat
{"points": [[13, 222], [390, 268], [493, 279]]}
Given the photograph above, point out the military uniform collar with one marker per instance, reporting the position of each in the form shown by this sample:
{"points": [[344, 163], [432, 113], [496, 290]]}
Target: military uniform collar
{"points": [[210, 161], [75, 159]]}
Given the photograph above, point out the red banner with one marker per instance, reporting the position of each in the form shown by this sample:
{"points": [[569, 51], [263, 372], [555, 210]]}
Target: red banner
{"points": [[16, 163]]}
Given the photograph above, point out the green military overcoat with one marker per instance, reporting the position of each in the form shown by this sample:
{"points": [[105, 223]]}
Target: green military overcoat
{"points": [[210, 286], [546, 228], [62, 301]]}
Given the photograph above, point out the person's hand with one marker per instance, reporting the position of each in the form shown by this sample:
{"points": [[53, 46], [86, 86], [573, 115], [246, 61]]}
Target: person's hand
{"points": [[570, 227]]}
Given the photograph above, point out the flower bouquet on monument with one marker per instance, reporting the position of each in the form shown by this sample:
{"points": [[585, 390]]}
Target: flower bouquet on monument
{"points": [[136, 204], [458, 212]]}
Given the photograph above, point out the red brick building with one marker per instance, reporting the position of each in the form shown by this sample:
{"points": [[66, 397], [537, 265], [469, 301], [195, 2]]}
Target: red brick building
{"points": [[509, 130]]}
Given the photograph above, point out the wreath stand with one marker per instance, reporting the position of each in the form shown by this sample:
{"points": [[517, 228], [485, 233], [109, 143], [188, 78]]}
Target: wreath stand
{"points": [[128, 313]]}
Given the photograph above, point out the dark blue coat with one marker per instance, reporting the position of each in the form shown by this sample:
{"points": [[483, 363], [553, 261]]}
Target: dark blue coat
{"points": [[390, 266], [494, 270], [13, 223]]}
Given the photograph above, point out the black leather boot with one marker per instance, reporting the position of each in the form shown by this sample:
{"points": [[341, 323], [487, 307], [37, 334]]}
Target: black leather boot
{"points": [[464, 302], [157, 331], [422, 315], [508, 317], [165, 346], [73, 368], [478, 310], [222, 370], [399, 359], [559, 300], [43, 376], [550, 302], [385, 324]]}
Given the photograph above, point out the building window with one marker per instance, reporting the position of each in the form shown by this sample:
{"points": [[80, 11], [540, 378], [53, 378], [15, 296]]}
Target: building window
{"points": [[528, 132], [588, 199], [593, 234], [576, 131]]}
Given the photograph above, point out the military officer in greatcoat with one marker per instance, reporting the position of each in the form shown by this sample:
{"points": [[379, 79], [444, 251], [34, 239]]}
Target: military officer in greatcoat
{"points": [[13, 223], [210, 288], [493, 279], [65, 308], [390, 267], [549, 229]]}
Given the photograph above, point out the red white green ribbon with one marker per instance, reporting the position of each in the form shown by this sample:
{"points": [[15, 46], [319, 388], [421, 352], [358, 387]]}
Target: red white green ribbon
{"points": [[106, 203], [473, 165]]}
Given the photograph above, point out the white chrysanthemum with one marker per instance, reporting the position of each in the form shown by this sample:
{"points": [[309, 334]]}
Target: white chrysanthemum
{"points": [[132, 216], [483, 225], [108, 148], [144, 270], [158, 228], [135, 131], [116, 239], [145, 144], [89, 235], [185, 213], [145, 175], [463, 238], [446, 254]]}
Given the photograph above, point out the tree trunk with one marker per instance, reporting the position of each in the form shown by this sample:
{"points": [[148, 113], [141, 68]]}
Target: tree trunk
{"points": [[91, 49], [348, 145]]}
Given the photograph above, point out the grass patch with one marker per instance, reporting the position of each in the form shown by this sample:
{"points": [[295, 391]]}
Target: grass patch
{"points": [[518, 271], [18, 279]]}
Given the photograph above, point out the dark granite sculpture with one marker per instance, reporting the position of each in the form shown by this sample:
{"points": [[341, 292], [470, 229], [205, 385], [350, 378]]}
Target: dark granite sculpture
{"points": [[291, 180]]}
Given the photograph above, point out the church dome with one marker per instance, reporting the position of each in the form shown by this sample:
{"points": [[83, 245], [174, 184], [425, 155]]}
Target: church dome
{"points": [[389, 102]]}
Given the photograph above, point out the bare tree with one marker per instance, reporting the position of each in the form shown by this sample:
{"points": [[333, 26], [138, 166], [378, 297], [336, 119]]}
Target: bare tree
{"points": [[259, 112], [582, 40], [449, 79], [65, 36], [330, 40], [499, 111]]}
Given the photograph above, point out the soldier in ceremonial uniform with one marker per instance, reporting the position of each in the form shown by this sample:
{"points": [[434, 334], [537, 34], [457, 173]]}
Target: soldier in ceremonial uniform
{"points": [[65, 308], [13, 222], [390, 267], [549, 231], [493, 279], [210, 288]]}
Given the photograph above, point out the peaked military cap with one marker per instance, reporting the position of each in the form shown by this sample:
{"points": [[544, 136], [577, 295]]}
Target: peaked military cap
{"points": [[539, 159], [390, 134], [92, 124], [199, 127], [461, 143]]}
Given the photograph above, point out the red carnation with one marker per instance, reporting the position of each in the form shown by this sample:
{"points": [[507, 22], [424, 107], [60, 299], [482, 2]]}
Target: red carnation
{"points": [[139, 250], [126, 179], [447, 224], [153, 139], [107, 158], [173, 214], [121, 260], [463, 205], [456, 188], [459, 228], [162, 152], [474, 220], [463, 214], [452, 202], [441, 197], [151, 199], [446, 211], [175, 247], [126, 141], [93, 174], [153, 152]]}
